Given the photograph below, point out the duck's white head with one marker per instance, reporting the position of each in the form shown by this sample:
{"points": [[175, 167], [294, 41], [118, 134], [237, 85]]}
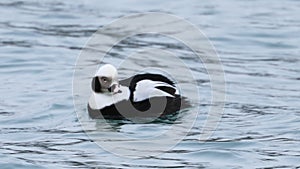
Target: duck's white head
{"points": [[106, 80]]}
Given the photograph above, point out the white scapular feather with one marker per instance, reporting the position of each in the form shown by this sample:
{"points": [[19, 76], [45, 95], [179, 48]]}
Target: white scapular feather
{"points": [[146, 89]]}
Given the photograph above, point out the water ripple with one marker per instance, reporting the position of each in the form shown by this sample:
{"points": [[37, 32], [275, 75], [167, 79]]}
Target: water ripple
{"points": [[257, 41]]}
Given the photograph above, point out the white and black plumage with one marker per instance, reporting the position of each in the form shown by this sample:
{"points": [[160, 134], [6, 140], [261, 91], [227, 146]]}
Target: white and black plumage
{"points": [[141, 95]]}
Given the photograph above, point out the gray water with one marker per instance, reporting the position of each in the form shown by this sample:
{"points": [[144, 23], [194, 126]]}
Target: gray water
{"points": [[257, 41]]}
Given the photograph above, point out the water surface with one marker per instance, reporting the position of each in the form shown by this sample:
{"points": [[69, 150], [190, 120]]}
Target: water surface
{"points": [[257, 41]]}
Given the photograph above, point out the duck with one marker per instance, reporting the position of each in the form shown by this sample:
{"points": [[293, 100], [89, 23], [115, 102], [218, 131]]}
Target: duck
{"points": [[144, 95]]}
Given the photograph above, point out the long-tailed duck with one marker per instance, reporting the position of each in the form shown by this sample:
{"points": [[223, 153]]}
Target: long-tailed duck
{"points": [[140, 96]]}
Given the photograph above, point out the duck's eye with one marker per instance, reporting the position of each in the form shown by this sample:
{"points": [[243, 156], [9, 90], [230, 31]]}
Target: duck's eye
{"points": [[104, 79]]}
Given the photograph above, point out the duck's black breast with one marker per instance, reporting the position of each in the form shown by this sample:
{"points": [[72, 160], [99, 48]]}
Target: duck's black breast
{"points": [[108, 112]]}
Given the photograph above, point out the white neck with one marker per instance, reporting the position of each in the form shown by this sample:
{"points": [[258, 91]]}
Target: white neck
{"points": [[101, 100]]}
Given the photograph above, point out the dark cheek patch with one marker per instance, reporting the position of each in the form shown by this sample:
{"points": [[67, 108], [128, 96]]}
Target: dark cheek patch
{"points": [[96, 86]]}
